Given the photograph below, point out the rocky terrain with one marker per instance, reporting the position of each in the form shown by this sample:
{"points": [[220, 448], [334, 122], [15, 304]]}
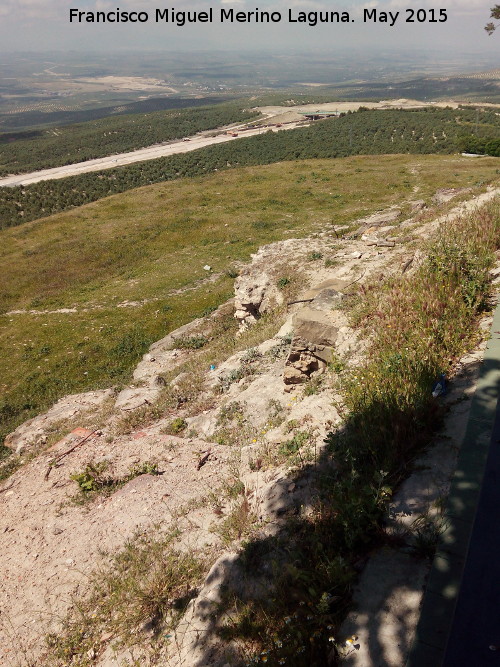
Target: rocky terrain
{"points": [[218, 433]]}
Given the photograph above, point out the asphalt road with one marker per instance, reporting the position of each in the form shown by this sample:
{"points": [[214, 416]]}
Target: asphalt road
{"points": [[474, 640]]}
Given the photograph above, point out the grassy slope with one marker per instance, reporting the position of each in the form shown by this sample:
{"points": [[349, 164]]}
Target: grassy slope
{"points": [[148, 242]]}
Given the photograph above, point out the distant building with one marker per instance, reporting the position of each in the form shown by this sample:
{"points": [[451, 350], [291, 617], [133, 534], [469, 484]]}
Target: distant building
{"points": [[317, 115]]}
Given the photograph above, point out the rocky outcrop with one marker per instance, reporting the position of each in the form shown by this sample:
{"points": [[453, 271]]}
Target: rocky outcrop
{"points": [[304, 359], [163, 356], [315, 330], [256, 291]]}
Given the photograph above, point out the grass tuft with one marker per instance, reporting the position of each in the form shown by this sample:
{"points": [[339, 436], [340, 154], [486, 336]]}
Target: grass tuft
{"points": [[143, 591]]}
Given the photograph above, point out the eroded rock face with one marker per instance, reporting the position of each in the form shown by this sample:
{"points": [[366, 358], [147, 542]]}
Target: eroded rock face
{"points": [[304, 359], [254, 295], [315, 328], [389, 216], [255, 288]]}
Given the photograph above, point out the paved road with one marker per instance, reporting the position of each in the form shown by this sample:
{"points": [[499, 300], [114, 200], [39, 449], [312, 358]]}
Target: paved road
{"points": [[476, 624], [150, 153]]}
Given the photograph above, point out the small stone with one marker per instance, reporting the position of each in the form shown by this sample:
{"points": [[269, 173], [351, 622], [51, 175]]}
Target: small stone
{"points": [[207, 267], [56, 530]]}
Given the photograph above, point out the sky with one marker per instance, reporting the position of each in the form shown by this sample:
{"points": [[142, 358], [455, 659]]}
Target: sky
{"points": [[38, 25]]}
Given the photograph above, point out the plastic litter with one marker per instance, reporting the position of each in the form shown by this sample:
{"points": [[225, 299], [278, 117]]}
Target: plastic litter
{"points": [[212, 367], [439, 389]]}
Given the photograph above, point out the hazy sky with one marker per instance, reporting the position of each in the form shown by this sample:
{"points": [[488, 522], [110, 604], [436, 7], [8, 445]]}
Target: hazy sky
{"points": [[44, 25]]}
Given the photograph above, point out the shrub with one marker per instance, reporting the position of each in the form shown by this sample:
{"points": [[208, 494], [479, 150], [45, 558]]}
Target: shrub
{"points": [[190, 342]]}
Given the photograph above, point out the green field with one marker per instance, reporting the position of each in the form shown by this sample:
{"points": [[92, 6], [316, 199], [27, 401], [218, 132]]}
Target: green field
{"points": [[143, 245]]}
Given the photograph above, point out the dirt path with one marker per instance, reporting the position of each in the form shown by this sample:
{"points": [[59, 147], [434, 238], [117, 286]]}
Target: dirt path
{"points": [[276, 114]]}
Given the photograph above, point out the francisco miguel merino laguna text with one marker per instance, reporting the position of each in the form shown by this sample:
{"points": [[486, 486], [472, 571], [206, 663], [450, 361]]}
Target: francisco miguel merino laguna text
{"points": [[180, 18], [312, 18]]}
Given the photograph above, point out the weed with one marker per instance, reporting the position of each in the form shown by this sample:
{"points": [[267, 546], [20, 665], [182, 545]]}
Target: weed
{"points": [[176, 426], [292, 446], [276, 413], [237, 374], [314, 256], [234, 488], [313, 386], [281, 348], [425, 532], [336, 365], [251, 355], [283, 282], [190, 342], [230, 412], [92, 480], [238, 524]]}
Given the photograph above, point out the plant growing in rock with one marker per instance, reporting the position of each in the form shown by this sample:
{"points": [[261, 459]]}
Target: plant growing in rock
{"points": [[190, 342], [92, 480], [177, 425]]}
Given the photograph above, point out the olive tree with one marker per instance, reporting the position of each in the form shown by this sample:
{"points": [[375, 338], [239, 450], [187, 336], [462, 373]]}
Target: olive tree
{"points": [[495, 14]]}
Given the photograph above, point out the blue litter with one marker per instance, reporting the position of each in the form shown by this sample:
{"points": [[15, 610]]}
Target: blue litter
{"points": [[212, 367], [439, 389]]}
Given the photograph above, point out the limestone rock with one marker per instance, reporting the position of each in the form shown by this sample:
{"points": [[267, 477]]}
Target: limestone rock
{"points": [[255, 288], [418, 205], [315, 326], [382, 218], [304, 359], [444, 195]]}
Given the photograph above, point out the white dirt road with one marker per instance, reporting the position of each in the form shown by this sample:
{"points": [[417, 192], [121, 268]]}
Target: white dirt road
{"points": [[273, 114], [149, 153]]}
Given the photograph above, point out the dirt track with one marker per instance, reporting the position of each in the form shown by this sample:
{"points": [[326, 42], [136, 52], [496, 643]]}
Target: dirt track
{"points": [[149, 153], [278, 114]]}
